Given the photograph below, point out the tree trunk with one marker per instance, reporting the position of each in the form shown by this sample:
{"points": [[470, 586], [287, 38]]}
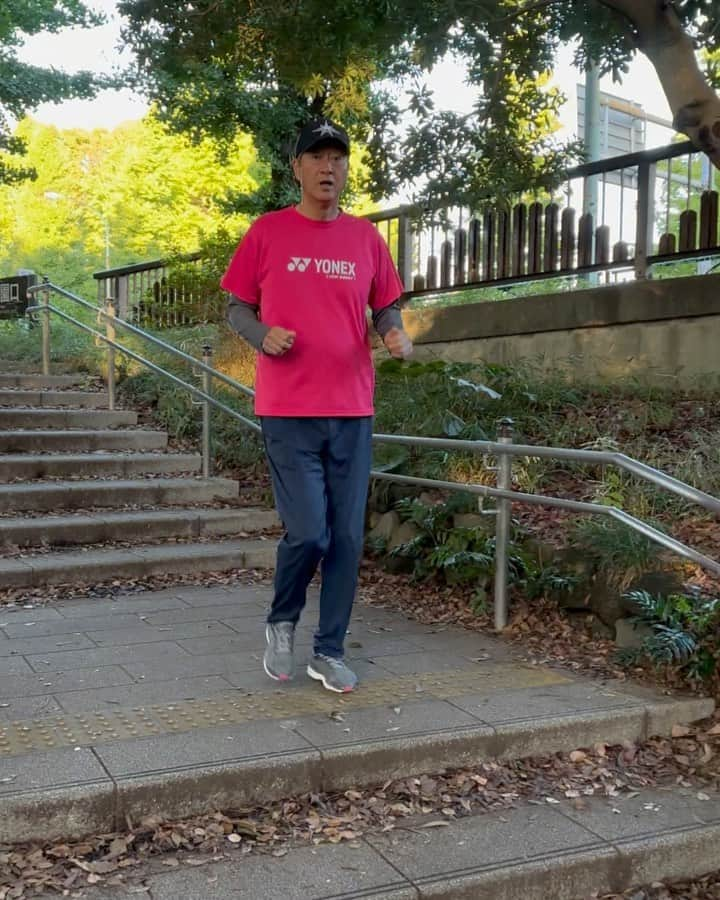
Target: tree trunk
{"points": [[660, 36]]}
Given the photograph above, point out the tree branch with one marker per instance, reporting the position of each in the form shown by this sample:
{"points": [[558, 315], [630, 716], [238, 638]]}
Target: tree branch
{"points": [[660, 36]]}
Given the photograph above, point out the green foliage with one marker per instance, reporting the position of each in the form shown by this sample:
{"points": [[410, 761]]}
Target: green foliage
{"points": [[251, 66], [24, 86], [459, 555], [70, 349], [684, 630], [620, 553], [233, 446], [194, 284], [131, 194], [264, 67]]}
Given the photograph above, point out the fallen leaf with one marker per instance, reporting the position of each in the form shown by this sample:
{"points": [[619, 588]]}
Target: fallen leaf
{"points": [[679, 731]]}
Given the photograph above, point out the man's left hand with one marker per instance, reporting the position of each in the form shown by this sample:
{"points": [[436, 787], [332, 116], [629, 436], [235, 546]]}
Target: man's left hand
{"points": [[398, 343]]}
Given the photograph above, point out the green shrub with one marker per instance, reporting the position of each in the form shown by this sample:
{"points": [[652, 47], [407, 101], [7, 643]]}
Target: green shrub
{"points": [[685, 631]]}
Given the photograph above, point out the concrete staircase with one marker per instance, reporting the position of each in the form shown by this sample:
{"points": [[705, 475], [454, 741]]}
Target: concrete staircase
{"points": [[86, 494]]}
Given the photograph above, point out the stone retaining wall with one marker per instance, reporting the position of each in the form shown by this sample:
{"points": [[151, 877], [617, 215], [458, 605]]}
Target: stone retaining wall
{"points": [[657, 331]]}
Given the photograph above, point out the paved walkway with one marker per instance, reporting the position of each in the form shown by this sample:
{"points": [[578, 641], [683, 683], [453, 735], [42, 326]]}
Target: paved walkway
{"points": [[157, 703]]}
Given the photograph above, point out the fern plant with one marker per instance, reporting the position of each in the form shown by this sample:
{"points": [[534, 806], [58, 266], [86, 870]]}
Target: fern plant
{"points": [[680, 624]]}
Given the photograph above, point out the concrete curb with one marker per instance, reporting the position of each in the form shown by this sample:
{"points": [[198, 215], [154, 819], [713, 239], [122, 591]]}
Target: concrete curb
{"points": [[74, 399], [134, 525], [174, 791], [42, 382], [32, 466], [79, 440], [79, 567], [113, 493], [17, 417]]}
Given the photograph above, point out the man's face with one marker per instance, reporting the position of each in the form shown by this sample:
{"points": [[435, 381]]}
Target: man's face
{"points": [[322, 172]]}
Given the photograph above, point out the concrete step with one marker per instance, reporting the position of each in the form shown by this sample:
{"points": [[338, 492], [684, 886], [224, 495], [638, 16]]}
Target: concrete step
{"points": [[524, 853], [57, 495], [79, 440], [135, 526], [92, 465], [156, 702], [28, 418], [36, 382], [54, 399], [79, 567]]}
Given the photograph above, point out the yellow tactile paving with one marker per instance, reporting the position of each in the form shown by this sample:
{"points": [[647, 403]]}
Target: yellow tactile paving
{"points": [[234, 707]]}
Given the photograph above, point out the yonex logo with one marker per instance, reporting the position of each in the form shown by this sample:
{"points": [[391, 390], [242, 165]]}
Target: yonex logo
{"points": [[299, 263]]}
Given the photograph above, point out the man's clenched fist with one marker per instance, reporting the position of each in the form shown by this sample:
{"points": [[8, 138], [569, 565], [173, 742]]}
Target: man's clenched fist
{"points": [[278, 341], [398, 343]]}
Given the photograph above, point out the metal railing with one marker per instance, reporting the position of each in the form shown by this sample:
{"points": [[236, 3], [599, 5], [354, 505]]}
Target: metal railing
{"points": [[622, 217], [504, 449]]}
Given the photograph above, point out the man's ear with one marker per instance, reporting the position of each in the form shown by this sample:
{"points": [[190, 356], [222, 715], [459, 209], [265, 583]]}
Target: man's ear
{"points": [[296, 169]]}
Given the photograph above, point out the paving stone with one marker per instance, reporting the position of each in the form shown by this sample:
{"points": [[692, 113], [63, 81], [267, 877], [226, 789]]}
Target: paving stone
{"points": [[222, 594], [547, 700], [145, 634], [19, 615], [52, 768], [485, 842], [82, 679], [323, 873], [229, 643], [57, 794], [638, 815], [15, 708], [382, 723], [241, 611], [184, 665], [140, 603], [92, 658], [14, 665], [70, 626], [201, 747], [30, 646], [149, 693], [410, 662], [380, 645]]}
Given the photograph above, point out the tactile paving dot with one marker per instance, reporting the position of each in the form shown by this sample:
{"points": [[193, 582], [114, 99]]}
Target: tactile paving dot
{"points": [[87, 729]]}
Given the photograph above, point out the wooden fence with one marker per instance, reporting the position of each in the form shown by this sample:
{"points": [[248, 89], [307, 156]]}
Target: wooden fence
{"points": [[618, 217]]}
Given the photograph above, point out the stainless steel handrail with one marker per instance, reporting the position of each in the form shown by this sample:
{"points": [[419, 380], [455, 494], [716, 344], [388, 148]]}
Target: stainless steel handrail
{"points": [[504, 448], [208, 398], [493, 448], [101, 313]]}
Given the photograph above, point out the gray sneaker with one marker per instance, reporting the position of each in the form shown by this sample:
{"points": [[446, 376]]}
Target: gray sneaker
{"points": [[333, 673], [279, 660]]}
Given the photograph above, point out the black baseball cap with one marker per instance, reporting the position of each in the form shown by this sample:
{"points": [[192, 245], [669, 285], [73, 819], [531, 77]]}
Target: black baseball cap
{"points": [[321, 131]]}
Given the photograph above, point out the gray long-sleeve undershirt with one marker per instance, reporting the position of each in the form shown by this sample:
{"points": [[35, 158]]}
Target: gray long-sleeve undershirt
{"points": [[243, 319]]}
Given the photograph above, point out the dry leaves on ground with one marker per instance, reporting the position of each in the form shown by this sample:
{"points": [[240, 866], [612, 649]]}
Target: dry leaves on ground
{"points": [[690, 760]]}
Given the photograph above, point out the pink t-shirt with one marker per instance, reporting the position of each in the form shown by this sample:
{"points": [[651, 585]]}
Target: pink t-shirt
{"points": [[317, 279]]}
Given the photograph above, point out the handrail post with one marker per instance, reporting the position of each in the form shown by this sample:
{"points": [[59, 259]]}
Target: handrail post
{"points": [[206, 436], [502, 525], [110, 313], [46, 329]]}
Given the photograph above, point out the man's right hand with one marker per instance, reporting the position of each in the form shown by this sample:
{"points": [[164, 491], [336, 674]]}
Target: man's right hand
{"points": [[278, 341]]}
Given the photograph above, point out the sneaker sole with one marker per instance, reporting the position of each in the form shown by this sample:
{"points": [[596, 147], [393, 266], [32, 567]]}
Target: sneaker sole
{"points": [[318, 676], [274, 677], [282, 678]]}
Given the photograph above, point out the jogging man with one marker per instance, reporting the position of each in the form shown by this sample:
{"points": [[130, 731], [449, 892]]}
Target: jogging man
{"points": [[302, 279]]}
